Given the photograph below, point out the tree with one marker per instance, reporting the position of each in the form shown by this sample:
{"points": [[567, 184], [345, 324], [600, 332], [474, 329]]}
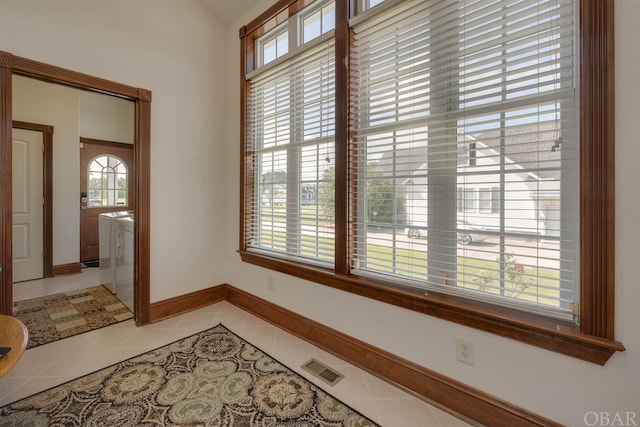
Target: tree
{"points": [[385, 204], [273, 183], [327, 194]]}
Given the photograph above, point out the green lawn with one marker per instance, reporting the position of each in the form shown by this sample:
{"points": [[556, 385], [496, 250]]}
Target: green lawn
{"points": [[309, 215], [536, 285], [533, 284]]}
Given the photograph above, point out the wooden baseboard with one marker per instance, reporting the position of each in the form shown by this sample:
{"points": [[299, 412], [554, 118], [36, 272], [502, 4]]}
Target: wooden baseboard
{"points": [[185, 303], [63, 269], [426, 384]]}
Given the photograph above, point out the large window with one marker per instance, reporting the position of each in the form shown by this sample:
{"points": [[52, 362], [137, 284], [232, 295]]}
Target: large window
{"points": [[291, 136], [428, 75], [429, 154]]}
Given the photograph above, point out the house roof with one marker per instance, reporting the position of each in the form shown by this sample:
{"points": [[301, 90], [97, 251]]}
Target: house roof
{"points": [[536, 148], [533, 149]]}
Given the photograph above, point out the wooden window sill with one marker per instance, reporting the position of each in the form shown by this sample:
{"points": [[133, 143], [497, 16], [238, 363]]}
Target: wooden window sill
{"points": [[550, 334]]}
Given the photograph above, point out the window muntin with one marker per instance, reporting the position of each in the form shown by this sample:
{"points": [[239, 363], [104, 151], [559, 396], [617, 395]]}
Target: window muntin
{"points": [[288, 38], [368, 4], [513, 102], [272, 45], [596, 217], [318, 21], [293, 141], [107, 179]]}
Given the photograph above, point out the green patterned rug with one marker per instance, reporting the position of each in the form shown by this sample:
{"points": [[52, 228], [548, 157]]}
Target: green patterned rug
{"points": [[213, 378], [63, 315]]}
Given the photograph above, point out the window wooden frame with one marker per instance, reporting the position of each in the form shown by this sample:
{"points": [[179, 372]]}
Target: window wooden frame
{"points": [[594, 339]]}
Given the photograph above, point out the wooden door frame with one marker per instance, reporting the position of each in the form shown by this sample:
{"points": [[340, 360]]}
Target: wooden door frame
{"points": [[9, 65], [47, 185]]}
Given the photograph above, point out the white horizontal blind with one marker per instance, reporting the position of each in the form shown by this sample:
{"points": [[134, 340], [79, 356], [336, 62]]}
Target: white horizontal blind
{"points": [[290, 140], [465, 127]]}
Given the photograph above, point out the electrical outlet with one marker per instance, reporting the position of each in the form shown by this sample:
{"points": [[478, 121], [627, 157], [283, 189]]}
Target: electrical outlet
{"points": [[270, 284], [464, 350]]}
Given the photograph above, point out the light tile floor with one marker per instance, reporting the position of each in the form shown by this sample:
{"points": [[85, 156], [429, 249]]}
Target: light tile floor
{"points": [[52, 364]]}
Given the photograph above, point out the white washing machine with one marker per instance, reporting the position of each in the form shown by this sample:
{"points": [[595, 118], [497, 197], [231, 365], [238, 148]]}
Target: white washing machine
{"points": [[124, 260], [106, 243]]}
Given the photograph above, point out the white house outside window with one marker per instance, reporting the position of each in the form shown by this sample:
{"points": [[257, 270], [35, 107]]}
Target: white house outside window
{"points": [[496, 77], [425, 153]]}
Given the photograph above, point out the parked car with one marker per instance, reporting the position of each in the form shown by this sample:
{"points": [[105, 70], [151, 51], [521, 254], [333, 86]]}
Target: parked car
{"points": [[466, 232], [416, 230]]}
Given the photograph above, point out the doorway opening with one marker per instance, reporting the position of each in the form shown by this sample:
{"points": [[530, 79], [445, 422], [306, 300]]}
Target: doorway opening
{"points": [[11, 65]]}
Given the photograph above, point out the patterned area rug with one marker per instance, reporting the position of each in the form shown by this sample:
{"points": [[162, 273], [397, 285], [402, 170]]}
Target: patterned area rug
{"points": [[66, 314], [213, 378]]}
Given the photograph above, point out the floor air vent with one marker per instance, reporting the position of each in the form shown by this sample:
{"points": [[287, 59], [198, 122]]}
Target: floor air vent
{"points": [[322, 371]]}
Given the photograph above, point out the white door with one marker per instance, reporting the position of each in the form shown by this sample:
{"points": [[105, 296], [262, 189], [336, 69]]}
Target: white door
{"points": [[28, 196]]}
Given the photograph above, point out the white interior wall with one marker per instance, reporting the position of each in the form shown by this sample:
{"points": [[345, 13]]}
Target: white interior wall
{"points": [[175, 49], [553, 385], [106, 117]]}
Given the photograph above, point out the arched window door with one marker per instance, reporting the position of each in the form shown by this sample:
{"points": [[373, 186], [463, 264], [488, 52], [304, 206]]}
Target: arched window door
{"points": [[107, 182]]}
